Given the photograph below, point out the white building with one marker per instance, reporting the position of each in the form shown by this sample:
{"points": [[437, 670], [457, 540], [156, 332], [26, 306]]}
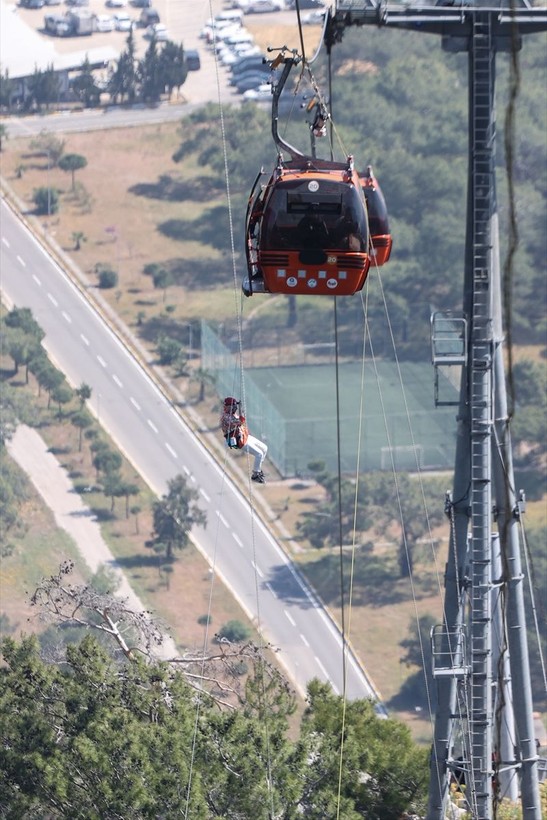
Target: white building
{"points": [[23, 51]]}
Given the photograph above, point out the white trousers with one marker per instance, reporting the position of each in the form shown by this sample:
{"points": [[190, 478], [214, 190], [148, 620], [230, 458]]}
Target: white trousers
{"points": [[258, 450]]}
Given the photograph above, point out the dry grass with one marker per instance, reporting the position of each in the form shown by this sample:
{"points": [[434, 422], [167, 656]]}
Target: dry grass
{"points": [[37, 553]]}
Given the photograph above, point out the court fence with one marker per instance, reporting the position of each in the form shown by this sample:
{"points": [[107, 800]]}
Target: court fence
{"points": [[278, 400]]}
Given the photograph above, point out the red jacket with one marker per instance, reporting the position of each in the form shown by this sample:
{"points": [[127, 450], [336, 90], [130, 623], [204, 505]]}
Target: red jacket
{"points": [[234, 429]]}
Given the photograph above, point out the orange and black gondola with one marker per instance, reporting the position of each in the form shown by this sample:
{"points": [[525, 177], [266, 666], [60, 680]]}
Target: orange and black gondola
{"points": [[307, 230]]}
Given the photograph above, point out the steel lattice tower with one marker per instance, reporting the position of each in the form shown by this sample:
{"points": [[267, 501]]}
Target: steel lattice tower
{"points": [[481, 561]]}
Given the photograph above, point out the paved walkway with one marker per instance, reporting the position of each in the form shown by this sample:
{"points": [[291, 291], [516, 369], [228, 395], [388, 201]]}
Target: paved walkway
{"points": [[71, 514]]}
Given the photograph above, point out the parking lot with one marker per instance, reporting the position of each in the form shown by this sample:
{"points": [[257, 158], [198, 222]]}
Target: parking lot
{"points": [[184, 21]]}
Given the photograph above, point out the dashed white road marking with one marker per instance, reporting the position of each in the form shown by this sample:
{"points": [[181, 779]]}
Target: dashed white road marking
{"points": [[257, 570], [308, 594], [52, 300], [222, 519], [237, 539], [304, 640], [152, 425], [38, 281], [101, 361], [117, 380], [84, 339], [321, 667], [173, 453], [66, 317], [289, 617], [21, 261], [204, 494], [135, 403], [270, 588], [186, 470], [5, 241]]}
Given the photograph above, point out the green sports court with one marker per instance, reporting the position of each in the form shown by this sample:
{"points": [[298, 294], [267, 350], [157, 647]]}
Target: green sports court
{"points": [[387, 413]]}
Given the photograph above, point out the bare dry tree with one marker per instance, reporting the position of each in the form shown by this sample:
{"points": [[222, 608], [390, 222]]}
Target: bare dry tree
{"points": [[217, 673]]}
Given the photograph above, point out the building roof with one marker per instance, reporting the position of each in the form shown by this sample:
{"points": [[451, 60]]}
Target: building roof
{"points": [[23, 49]]}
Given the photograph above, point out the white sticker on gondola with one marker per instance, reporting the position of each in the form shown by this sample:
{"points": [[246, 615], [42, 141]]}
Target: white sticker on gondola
{"points": [[331, 283], [292, 281], [313, 185], [312, 283]]}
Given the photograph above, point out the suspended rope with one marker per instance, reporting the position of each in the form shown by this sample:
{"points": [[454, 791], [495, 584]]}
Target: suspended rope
{"points": [[353, 548], [238, 312], [531, 585], [509, 142]]}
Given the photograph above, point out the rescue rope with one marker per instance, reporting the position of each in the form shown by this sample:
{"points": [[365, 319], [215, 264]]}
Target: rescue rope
{"points": [[238, 312], [438, 573], [353, 551]]}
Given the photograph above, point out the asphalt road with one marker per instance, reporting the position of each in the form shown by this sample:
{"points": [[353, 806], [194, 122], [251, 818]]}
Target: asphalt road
{"points": [[160, 444]]}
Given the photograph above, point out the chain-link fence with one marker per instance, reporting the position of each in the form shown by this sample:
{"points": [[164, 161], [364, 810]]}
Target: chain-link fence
{"points": [[294, 410]]}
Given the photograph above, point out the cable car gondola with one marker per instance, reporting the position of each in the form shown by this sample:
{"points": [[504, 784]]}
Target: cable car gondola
{"points": [[317, 225], [307, 229]]}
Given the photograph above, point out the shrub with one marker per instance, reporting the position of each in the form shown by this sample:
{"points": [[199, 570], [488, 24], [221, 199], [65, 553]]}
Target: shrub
{"points": [[46, 200], [108, 278], [234, 631]]}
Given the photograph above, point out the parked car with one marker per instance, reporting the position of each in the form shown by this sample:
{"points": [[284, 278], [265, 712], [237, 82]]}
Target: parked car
{"points": [[261, 94], [307, 4], [115, 4], [149, 17], [231, 56], [215, 29], [103, 22], [252, 80], [57, 25], [253, 61], [141, 4], [239, 38], [232, 15], [157, 31], [193, 62], [32, 4], [253, 68], [122, 21], [224, 33], [260, 6], [286, 103]]}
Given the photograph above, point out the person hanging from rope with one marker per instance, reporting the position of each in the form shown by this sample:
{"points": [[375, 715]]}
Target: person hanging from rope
{"points": [[236, 435]]}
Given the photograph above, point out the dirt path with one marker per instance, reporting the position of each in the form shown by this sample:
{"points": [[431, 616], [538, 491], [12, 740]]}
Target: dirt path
{"points": [[29, 450]]}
